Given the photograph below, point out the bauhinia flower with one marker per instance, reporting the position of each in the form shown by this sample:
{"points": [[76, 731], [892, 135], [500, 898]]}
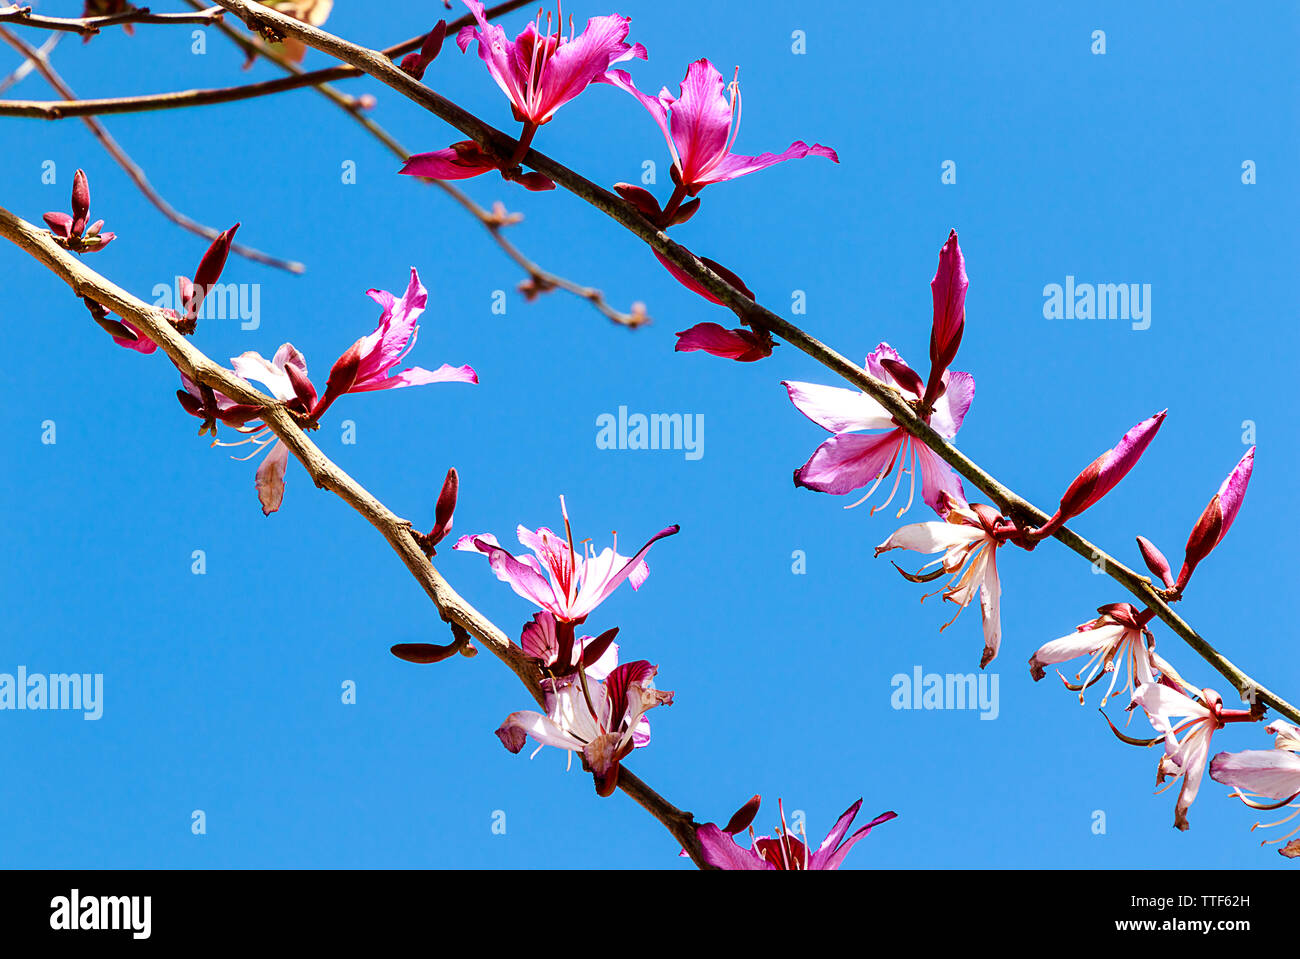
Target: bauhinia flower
{"points": [[700, 127], [1216, 519], [850, 460], [1267, 774], [1116, 638], [601, 721], [556, 577], [1103, 474], [969, 538], [72, 232], [560, 653], [1185, 757], [539, 73], [784, 851], [365, 366]]}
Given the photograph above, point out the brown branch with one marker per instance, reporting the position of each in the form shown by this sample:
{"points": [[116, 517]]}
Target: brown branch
{"points": [[539, 280], [89, 26], [133, 169], [451, 606], [757, 317], [174, 100]]}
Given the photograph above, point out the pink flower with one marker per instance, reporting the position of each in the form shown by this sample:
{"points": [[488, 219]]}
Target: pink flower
{"points": [[969, 538], [1185, 757], [1118, 635], [601, 721], [560, 653], [701, 125], [1266, 773], [1217, 517], [849, 460], [1103, 473], [365, 366], [463, 160], [555, 577], [539, 73], [744, 346], [784, 851]]}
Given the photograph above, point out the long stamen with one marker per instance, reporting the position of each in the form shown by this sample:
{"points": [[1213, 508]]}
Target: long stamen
{"points": [[879, 478], [911, 491], [897, 479]]}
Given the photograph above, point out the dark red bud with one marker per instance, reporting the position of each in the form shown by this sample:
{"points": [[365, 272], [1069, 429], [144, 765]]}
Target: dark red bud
{"points": [[423, 652], [302, 388], [1204, 537], [1077, 496], [60, 224], [743, 817], [640, 198], [213, 262], [80, 203], [1155, 561], [190, 403], [535, 181], [597, 647], [342, 375], [907, 378], [727, 275], [444, 512], [685, 212], [432, 45], [412, 64]]}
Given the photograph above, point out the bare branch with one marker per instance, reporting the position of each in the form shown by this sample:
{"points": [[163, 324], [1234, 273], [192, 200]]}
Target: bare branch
{"points": [[28, 65], [133, 169], [89, 26]]}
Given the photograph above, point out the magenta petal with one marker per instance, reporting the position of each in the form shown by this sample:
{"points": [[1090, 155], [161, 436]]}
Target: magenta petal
{"points": [[418, 376], [937, 479], [141, 343], [701, 122], [576, 65], [448, 164], [741, 345], [951, 408], [736, 165], [825, 858], [849, 461], [722, 852], [523, 579]]}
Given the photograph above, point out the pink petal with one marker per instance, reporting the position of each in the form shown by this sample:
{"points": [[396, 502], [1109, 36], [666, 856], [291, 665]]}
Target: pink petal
{"points": [[701, 121], [837, 409], [741, 345], [269, 479], [736, 165], [576, 65], [951, 408], [849, 461], [1274, 773], [449, 164], [1233, 491], [937, 478]]}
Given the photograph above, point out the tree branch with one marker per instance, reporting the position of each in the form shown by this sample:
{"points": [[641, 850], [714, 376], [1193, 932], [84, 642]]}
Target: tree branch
{"points": [[451, 606], [89, 26], [754, 315], [132, 169]]}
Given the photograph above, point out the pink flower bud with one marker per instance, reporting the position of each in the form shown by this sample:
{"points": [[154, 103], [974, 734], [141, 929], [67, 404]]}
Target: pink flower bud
{"points": [[535, 181], [948, 291], [1155, 561], [685, 212], [1103, 473], [80, 203], [60, 224], [640, 198], [444, 511], [743, 817], [210, 267], [1217, 517], [342, 376]]}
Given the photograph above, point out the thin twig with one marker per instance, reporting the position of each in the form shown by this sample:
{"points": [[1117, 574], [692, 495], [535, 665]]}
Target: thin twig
{"points": [[539, 280], [173, 100], [21, 16], [28, 65], [451, 606], [133, 169], [757, 317]]}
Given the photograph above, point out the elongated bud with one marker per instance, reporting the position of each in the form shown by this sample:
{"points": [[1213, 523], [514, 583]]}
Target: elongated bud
{"points": [[209, 271], [640, 198], [303, 391], [1104, 472], [190, 403], [342, 375], [444, 512], [1217, 517], [598, 647], [685, 212], [1155, 561], [537, 182], [948, 291], [423, 652], [743, 818], [80, 203], [60, 224]]}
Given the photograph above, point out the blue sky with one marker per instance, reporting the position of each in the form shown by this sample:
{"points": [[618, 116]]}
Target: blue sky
{"points": [[223, 690]]}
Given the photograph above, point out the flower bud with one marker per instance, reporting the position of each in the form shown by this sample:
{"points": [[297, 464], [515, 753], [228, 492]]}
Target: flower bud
{"points": [[209, 271], [1155, 561], [445, 509], [640, 198], [1217, 517], [303, 390], [342, 375], [743, 818], [80, 203], [948, 292], [60, 224]]}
